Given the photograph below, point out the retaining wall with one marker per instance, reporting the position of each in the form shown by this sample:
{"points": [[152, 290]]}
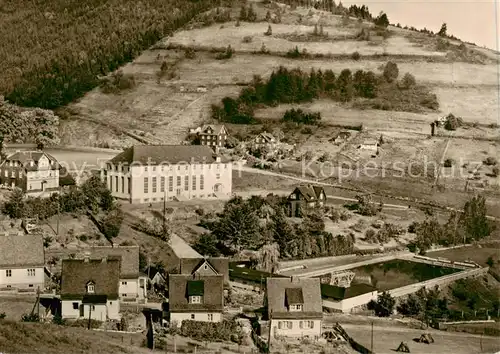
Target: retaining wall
{"points": [[446, 279]]}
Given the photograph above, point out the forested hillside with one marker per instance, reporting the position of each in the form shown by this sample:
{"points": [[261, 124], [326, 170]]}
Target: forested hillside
{"points": [[52, 51]]}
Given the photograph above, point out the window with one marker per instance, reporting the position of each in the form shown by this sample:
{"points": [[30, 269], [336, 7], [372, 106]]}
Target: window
{"points": [[146, 169], [217, 176], [210, 317], [195, 299], [123, 184], [124, 295], [146, 186], [297, 307], [194, 183], [154, 184], [93, 307], [218, 166], [186, 168], [31, 272], [111, 183], [202, 182], [170, 183], [154, 168], [30, 285], [75, 305], [289, 323], [186, 183], [192, 316], [116, 184], [129, 185], [124, 283], [162, 184], [90, 288], [8, 272], [178, 181]]}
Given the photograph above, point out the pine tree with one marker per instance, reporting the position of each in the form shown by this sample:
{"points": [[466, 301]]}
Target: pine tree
{"points": [[442, 31]]}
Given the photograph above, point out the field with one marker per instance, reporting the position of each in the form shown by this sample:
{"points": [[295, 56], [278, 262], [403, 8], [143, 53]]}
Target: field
{"points": [[397, 273]]}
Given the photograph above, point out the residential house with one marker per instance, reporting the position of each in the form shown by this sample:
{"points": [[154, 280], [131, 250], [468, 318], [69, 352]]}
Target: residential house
{"points": [[347, 299], [264, 139], [22, 262], [294, 307], [150, 173], [305, 197], [340, 137], [370, 145], [89, 289], [212, 135], [155, 277], [208, 266], [133, 283], [195, 297], [35, 172]]}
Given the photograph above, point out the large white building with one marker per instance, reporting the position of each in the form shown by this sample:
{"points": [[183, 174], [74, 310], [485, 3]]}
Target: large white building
{"points": [[22, 262], [150, 173]]}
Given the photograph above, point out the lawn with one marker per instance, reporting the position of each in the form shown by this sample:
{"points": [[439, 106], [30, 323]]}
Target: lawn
{"points": [[397, 273]]}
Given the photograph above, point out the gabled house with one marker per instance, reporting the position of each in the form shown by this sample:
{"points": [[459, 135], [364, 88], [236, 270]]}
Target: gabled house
{"points": [[294, 307], [35, 172], [22, 262], [340, 137], [347, 299], [89, 288], [155, 277], [264, 139], [205, 267], [133, 283], [212, 135], [195, 297], [305, 197]]}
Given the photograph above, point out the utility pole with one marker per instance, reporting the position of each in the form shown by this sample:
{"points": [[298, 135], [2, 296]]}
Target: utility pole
{"points": [[58, 208], [372, 339], [90, 314]]}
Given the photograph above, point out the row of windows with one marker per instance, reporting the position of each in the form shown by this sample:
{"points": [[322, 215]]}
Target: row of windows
{"points": [[210, 317], [31, 272], [154, 181], [163, 168], [289, 324], [194, 196], [117, 186]]}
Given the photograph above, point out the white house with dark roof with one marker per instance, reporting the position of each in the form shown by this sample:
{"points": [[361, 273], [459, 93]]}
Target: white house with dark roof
{"points": [[150, 173], [35, 172], [22, 262], [212, 135], [89, 288], [133, 283], [294, 307], [305, 197]]}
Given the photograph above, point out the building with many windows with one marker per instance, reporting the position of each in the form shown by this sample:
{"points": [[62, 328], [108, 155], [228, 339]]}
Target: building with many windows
{"points": [[213, 135], [151, 173], [35, 172]]}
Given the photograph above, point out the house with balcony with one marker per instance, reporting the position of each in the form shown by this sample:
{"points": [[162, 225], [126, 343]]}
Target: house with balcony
{"points": [[22, 262], [294, 307], [34, 172], [89, 289], [195, 297], [305, 197], [152, 173]]}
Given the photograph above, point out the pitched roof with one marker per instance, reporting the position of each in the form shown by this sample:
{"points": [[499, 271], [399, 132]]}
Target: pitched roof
{"points": [[339, 293], [24, 157], [181, 286], [190, 265], [165, 154], [267, 136], [129, 256], [21, 250], [181, 248], [310, 193], [303, 290], [216, 128], [76, 273]]}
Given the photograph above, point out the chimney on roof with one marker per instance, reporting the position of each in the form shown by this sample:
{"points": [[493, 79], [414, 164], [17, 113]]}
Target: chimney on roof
{"points": [[86, 257]]}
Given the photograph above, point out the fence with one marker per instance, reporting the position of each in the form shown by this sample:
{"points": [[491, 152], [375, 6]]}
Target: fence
{"points": [[446, 279]]}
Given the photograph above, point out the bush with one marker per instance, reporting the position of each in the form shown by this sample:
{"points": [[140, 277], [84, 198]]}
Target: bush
{"points": [[356, 56], [189, 53], [269, 31], [452, 122], [30, 318], [495, 172], [391, 71], [448, 162], [227, 54], [301, 117], [247, 39], [85, 323], [117, 81], [212, 331], [2, 315], [490, 161], [408, 81]]}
